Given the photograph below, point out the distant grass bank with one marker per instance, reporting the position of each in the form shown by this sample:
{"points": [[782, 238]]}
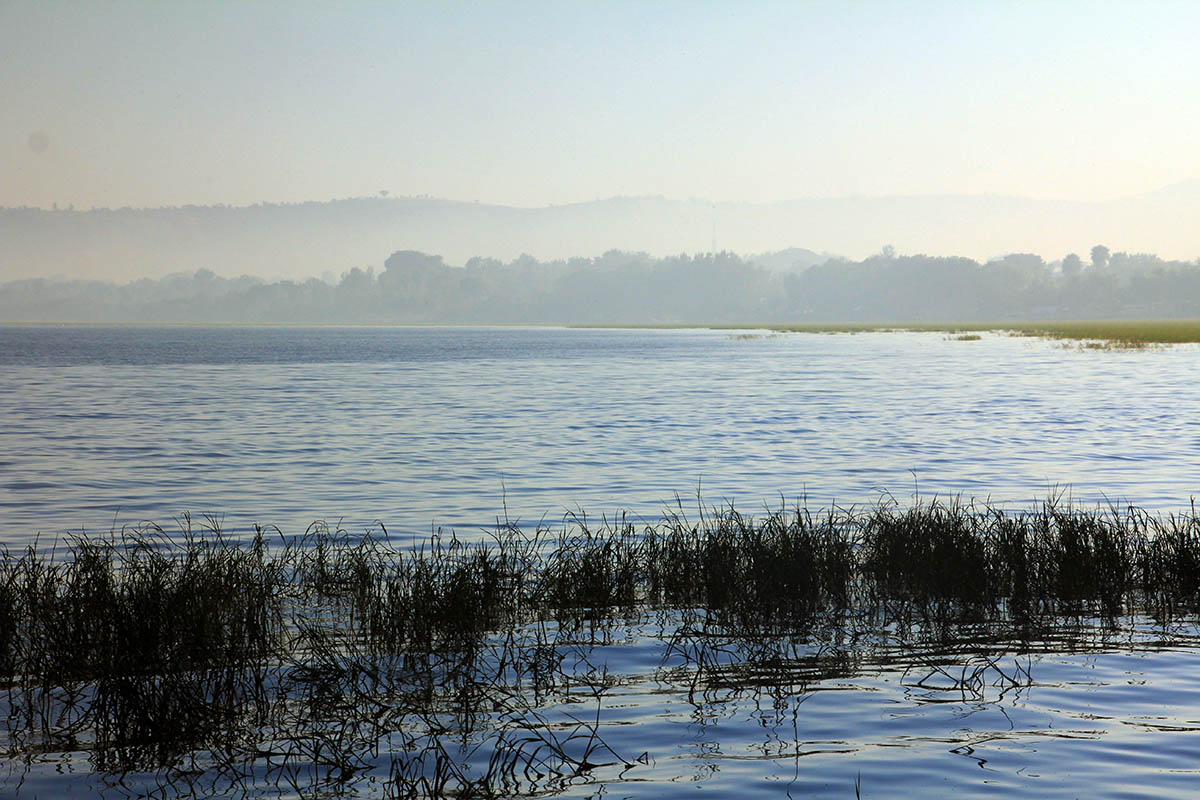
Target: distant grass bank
{"points": [[1118, 333]]}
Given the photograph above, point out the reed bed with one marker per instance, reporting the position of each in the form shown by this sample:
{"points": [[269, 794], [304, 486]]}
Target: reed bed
{"points": [[300, 662]]}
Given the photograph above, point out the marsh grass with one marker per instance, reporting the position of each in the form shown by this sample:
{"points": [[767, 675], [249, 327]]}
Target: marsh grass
{"points": [[1089, 334], [298, 661], [1085, 334]]}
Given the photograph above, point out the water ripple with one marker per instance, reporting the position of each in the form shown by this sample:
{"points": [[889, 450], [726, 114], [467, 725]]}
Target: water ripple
{"points": [[426, 427]]}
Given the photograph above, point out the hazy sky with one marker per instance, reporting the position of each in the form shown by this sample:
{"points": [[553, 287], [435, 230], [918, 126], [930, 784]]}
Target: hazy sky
{"points": [[155, 103]]}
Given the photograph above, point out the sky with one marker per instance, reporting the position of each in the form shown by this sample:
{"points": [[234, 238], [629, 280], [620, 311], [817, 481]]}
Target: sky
{"points": [[148, 104]]}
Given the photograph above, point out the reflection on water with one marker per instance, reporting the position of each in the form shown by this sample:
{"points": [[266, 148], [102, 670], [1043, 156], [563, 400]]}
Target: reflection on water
{"points": [[641, 710]]}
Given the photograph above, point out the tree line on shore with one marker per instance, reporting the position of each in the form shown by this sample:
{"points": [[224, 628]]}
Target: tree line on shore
{"points": [[635, 288]]}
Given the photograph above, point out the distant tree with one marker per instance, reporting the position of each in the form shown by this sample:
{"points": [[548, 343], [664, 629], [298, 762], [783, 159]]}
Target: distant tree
{"points": [[408, 262], [1134, 263], [412, 282], [1099, 256], [525, 262], [1029, 265], [1072, 264], [480, 262]]}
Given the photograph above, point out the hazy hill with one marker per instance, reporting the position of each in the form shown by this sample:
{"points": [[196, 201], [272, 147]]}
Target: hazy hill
{"points": [[309, 239]]}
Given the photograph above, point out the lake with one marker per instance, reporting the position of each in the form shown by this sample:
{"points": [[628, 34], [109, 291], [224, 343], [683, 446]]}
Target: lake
{"points": [[421, 428]]}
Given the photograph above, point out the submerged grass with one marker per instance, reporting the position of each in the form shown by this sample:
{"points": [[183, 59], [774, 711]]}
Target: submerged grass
{"points": [[301, 659]]}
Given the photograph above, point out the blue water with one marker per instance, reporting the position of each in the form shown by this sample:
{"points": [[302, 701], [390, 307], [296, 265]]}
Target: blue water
{"points": [[425, 427]]}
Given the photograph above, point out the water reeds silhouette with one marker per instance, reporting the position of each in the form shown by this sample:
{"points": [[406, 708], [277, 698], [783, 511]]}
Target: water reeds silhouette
{"points": [[307, 662]]}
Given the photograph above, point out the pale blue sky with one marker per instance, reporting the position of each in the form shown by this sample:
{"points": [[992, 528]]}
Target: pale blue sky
{"points": [[529, 104]]}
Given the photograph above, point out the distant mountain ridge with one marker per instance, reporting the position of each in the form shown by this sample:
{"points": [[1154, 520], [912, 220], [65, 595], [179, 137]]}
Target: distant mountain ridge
{"points": [[310, 239]]}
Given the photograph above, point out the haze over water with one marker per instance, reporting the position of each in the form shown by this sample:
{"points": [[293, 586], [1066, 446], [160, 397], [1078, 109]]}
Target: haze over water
{"points": [[210, 146], [428, 427]]}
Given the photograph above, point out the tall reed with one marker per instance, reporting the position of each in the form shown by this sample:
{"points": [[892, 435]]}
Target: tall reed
{"points": [[190, 650]]}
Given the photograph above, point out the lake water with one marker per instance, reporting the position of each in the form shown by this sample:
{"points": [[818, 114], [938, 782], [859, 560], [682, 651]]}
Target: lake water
{"points": [[425, 427]]}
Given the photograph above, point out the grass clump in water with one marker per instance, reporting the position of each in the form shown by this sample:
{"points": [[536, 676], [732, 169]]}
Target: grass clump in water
{"points": [[301, 659]]}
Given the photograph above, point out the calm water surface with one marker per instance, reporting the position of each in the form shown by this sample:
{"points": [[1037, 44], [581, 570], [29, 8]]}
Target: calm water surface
{"points": [[1118, 721], [425, 427], [102, 426]]}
